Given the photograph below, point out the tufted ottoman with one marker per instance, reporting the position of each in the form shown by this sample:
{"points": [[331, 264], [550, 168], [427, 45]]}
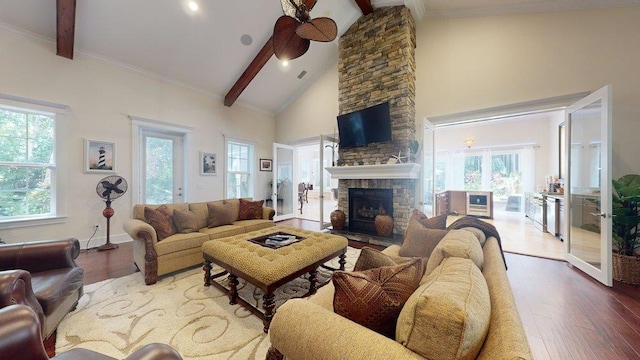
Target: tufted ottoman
{"points": [[269, 268]]}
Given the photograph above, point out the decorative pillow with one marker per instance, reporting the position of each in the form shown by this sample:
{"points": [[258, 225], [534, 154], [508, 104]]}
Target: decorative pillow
{"points": [[370, 258], [458, 243], [185, 221], [448, 316], [161, 220], [373, 298], [436, 222], [221, 213], [250, 210], [419, 241]]}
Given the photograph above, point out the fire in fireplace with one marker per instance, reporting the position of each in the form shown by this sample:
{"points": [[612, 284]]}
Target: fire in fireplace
{"points": [[365, 204]]}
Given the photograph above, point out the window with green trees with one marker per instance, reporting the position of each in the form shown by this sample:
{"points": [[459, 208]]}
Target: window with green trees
{"points": [[239, 170], [27, 163]]}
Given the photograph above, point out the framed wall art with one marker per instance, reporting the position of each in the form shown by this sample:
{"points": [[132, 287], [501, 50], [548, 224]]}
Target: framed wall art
{"points": [[266, 164], [99, 156], [208, 164]]}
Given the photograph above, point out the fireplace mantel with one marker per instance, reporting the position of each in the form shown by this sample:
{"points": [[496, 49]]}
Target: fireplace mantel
{"points": [[381, 171]]}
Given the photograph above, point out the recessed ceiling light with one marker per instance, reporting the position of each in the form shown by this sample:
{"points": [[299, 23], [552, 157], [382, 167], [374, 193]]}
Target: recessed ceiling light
{"points": [[285, 63], [193, 6], [246, 39]]}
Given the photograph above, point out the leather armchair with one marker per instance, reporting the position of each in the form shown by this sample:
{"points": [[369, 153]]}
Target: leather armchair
{"points": [[44, 276], [20, 339]]}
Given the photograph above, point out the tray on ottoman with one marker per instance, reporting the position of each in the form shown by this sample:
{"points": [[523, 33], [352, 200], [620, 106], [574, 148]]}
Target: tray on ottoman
{"points": [[277, 240]]}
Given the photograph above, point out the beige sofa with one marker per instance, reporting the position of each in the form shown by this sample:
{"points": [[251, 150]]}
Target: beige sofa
{"points": [[326, 335], [180, 251]]}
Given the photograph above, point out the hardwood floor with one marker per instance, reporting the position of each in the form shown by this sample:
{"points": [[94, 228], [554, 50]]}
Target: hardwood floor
{"points": [[566, 314]]}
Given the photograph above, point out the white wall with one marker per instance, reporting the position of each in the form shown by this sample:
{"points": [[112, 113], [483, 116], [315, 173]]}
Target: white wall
{"points": [[481, 62], [101, 96]]}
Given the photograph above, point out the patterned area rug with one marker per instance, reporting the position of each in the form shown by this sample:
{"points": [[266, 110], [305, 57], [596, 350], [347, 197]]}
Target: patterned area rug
{"points": [[117, 316]]}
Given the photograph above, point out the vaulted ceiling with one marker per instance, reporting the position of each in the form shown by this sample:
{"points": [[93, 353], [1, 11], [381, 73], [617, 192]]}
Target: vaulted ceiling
{"points": [[209, 49]]}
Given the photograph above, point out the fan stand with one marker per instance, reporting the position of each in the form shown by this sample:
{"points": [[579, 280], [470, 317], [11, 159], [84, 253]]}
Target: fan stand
{"points": [[108, 213]]}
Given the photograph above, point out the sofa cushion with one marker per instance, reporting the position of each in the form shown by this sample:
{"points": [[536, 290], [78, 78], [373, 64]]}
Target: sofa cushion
{"points": [[181, 242], [457, 243], [185, 221], [255, 224], [161, 219], [448, 316], [419, 240], [53, 287], [221, 213], [250, 210], [373, 298], [221, 231], [371, 258]]}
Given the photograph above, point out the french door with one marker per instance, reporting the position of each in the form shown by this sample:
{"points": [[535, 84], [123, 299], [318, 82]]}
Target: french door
{"points": [[282, 194], [588, 186], [328, 186], [426, 193], [159, 161]]}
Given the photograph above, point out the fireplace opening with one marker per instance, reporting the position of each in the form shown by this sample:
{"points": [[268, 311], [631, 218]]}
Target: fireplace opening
{"points": [[365, 204]]}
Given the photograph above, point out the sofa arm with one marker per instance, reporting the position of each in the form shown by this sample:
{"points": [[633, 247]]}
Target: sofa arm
{"points": [[38, 256], [20, 336], [268, 213], [325, 335], [155, 351], [135, 228], [16, 288]]}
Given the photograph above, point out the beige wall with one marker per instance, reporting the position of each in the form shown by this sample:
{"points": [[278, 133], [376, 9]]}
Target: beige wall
{"points": [[480, 62], [100, 97]]}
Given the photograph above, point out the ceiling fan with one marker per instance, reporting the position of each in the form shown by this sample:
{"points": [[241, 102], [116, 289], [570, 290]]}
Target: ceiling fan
{"points": [[293, 31]]}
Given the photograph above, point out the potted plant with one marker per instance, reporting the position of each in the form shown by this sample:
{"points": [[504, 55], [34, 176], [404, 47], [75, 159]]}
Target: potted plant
{"points": [[626, 225]]}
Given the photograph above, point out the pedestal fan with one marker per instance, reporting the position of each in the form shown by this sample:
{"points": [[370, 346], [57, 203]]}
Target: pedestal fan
{"points": [[110, 188]]}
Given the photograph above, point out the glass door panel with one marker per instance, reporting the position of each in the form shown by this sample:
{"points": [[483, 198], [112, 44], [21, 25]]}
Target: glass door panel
{"points": [[428, 169], [282, 188], [162, 159], [589, 185], [328, 186]]}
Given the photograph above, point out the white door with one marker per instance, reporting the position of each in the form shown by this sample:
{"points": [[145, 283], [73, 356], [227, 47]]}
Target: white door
{"points": [[162, 170], [588, 187], [282, 194], [427, 190], [328, 196]]}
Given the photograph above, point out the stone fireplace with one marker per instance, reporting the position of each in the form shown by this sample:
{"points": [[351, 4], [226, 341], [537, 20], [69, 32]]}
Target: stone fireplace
{"points": [[377, 64]]}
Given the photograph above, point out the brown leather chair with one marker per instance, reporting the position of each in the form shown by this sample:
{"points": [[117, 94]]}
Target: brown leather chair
{"points": [[20, 339], [44, 276]]}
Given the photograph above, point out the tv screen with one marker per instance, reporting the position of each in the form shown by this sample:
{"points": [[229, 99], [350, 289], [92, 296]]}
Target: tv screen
{"points": [[365, 126]]}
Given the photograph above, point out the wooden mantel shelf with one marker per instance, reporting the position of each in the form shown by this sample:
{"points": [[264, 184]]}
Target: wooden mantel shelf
{"points": [[382, 171]]}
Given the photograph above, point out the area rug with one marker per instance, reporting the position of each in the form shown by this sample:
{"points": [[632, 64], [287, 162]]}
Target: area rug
{"points": [[117, 316]]}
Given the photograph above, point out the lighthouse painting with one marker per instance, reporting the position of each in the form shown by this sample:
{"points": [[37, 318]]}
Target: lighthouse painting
{"points": [[99, 157]]}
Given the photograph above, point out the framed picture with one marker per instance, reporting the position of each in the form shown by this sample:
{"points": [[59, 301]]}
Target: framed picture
{"points": [[207, 163], [99, 156], [266, 164]]}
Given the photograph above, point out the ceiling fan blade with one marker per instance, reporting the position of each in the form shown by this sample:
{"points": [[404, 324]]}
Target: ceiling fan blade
{"points": [[310, 4], [319, 29], [287, 45]]}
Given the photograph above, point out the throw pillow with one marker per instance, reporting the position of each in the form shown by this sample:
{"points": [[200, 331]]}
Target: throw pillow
{"points": [[250, 210], [419, 241], [458, 243], [221, 213], [448, 316], [185, 221], [373, 298], [370, 258], [161, 220], [436, 222]]}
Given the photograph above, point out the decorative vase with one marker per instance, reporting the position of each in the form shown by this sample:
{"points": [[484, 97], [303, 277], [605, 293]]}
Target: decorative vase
{"points": [[626, 268], [337, 219], [384, 225]]}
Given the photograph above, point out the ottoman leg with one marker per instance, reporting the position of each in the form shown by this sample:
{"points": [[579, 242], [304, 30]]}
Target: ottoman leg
{"points": [[207, 272], [342, 261], [233, 291], [269, 304], [313, 281]]}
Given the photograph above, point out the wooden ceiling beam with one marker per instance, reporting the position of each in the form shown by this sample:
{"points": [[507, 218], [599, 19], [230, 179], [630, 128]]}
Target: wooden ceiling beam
{"points": [[365, 6], [65, 27], [252, 70]]}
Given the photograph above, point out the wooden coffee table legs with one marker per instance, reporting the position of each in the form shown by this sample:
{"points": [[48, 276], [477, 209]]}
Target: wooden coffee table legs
{"points": [[269, 305]]}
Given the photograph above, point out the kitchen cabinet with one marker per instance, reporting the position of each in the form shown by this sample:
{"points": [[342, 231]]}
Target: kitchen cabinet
{"points": [[442, 203], [454, 202]]}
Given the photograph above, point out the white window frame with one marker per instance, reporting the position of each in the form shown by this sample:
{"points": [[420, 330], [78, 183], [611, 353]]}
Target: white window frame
{"points": [[58, 168], [251, 161]]}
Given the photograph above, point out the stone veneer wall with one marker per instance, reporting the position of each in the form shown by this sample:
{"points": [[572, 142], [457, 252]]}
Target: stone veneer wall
{"points": [[377, 64]]}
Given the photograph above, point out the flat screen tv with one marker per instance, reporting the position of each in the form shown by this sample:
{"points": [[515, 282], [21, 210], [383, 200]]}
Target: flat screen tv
{"points": [[365, 126]]}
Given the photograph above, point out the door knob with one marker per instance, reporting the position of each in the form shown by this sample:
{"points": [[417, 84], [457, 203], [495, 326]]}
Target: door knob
{"points": [[602, 215]]}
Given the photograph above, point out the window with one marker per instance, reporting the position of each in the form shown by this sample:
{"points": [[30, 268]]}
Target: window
{"points": [[27, 163], [240, 171]]}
